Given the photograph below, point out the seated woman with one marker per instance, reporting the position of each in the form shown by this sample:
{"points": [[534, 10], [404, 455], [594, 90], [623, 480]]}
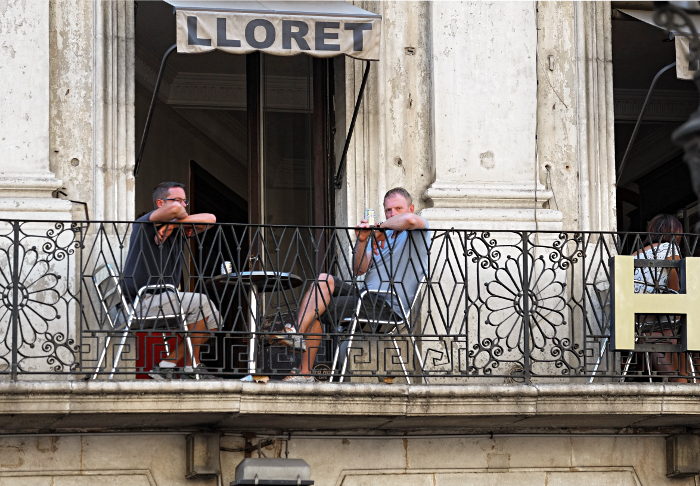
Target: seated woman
{"points": [[662, 245]]}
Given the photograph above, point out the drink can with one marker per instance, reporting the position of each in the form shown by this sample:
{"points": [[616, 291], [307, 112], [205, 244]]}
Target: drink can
{"points": [[369, 216], [226, 268]]}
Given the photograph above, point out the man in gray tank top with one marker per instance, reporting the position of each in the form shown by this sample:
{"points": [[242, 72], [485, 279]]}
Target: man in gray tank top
{"points": [[394, 259]]}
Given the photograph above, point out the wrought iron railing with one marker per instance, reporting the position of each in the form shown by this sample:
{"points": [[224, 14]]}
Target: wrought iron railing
{"points": [[513, 306]]}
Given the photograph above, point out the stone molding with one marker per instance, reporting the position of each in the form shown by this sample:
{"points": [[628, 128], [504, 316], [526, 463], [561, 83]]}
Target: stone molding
{"points": [[114, 110], [22, 185], [487, 195], [231, 405], [491, 206], [664, 105], [595, 115]]}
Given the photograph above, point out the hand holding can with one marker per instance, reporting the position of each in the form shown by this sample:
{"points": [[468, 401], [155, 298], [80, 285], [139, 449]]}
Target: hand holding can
{"points": [[369, 216]]}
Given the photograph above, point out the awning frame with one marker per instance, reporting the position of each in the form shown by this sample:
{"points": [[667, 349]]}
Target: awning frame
{"points": [[156, 88]]}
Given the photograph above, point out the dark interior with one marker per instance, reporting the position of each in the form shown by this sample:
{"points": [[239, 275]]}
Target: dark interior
{"points": [[654, 179], [250, 137], [203, 113]]}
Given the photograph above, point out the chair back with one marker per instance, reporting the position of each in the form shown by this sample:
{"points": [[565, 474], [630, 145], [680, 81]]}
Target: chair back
{"points": [[417, 300], [111, 297]]}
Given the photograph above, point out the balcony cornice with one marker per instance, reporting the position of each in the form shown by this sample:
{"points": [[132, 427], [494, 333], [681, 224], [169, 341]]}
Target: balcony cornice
{"points": [[57, 407]]}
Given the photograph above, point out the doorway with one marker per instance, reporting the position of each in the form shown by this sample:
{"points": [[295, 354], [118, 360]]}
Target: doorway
{"points": [[654, 179], [250, 136], [258, 124]]}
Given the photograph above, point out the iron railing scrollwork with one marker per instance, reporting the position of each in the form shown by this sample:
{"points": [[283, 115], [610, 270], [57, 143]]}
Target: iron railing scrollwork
{"points": [[492, 306]]}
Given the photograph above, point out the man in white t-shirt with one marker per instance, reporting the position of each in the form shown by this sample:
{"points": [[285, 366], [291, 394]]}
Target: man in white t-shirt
{"points": [[395, 260]]}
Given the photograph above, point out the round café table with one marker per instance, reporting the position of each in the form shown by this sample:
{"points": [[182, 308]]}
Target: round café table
{"points": [[261, 281], [258, 281]]}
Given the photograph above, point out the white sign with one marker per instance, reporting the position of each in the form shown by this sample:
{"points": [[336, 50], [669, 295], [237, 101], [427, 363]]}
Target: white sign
{"points": [[278, 34]]}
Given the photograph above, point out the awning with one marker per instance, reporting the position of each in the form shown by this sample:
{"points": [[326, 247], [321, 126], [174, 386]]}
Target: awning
{"points": [[683, 70], [282, 28]]}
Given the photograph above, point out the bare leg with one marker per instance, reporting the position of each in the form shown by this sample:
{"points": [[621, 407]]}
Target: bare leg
{"points": [[314, 304], [312, 344], [197, 340], [316, 298]]}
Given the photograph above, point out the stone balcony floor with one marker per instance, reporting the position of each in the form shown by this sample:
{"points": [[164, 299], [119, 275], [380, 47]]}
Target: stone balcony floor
{"points": [[80, 406]]}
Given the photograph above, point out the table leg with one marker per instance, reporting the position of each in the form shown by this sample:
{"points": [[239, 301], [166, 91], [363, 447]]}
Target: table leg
{"points": [[253, 341]]}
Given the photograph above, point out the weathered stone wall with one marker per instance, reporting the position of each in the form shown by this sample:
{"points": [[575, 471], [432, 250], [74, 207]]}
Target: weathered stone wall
{"points": [[26, 182], [71, 101], [392, 141], [159, 460]]}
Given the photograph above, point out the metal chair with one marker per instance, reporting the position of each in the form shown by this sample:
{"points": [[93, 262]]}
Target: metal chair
{"points": [[405, 323], [121, 316], [647, 358]]}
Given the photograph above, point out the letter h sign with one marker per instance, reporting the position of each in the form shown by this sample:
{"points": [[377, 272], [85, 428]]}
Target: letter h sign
{"points": [[625, 303]]}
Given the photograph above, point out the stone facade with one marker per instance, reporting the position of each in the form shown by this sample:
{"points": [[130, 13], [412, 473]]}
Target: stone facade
{"points": [[457, 112], [495, 116]]}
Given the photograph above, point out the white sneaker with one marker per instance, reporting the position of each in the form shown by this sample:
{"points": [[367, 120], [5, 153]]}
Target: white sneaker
{"points": [[158, 373]]}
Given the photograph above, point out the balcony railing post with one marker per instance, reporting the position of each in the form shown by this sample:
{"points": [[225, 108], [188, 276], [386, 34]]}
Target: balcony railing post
{"points": [[15, 296], [526, 307]]}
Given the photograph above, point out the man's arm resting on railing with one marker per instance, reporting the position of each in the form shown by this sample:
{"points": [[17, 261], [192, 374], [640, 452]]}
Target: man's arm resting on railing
{"points": [[400, 222], [205, 218], [404, 221], [177, 214], [169, 211], [165, 231]]}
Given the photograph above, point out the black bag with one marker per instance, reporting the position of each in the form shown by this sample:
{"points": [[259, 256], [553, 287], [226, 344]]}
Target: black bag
{"points": [[276, 359]]}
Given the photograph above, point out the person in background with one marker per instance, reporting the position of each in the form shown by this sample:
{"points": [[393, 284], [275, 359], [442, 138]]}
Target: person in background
{"points": [[662, 244]]}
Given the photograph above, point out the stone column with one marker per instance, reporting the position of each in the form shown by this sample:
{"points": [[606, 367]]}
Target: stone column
{"points": [[484, 94], [26, 182], [595, 115], [113, 110]]}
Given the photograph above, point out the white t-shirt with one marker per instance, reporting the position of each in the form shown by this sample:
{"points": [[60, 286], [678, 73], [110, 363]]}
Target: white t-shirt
{"points": [[649, 280], [405, 258]]}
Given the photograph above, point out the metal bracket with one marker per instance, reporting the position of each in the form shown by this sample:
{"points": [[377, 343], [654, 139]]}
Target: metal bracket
{"points": [[338, 180], [151, 108]]}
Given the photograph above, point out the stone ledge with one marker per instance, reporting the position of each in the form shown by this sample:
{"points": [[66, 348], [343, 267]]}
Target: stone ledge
{"points": [[231, 405]]}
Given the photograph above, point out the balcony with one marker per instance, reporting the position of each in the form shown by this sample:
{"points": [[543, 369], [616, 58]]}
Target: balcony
{"points": [[491, 308]]}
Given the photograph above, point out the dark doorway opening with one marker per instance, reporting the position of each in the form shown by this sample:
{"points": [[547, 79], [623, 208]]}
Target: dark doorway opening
{"points": [[251, 137], [654, 179], [259, 124]]}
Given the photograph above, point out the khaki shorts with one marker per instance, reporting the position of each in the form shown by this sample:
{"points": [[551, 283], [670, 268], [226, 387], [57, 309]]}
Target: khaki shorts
{"points": [[195, 307]]}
